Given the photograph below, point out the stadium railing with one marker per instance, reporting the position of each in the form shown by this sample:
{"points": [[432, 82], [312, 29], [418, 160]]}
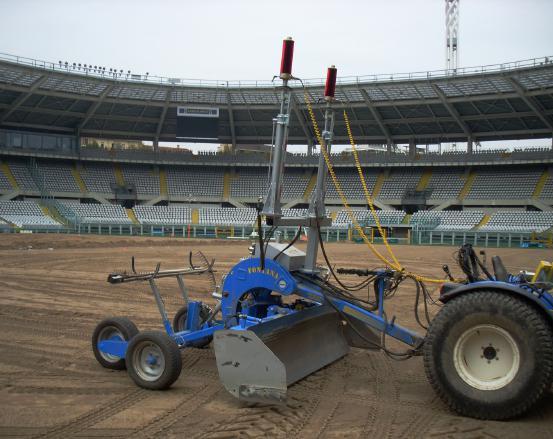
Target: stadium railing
{"points": [[131, 77], [329, 234]]}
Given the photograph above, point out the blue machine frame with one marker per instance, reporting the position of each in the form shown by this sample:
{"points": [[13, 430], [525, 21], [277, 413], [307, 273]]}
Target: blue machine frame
{"points": [[247, 277]]}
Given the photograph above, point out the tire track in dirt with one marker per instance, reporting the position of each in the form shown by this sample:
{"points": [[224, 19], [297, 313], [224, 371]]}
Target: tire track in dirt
{"points": [[381, 421], [35, 390], [80, 423], [328, 399], [41, 298], [258, 420], [185, 408]]}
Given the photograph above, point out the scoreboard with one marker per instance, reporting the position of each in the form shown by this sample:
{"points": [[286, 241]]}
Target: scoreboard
{"points": [[197, 123]]}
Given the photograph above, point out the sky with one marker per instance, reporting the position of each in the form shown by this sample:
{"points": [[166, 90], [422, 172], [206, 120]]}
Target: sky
{"points": [[241, 39]]}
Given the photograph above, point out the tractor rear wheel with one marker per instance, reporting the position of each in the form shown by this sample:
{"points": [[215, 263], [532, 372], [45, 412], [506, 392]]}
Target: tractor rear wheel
{"points": [[489, 355], [113, 328], [153, 360]]}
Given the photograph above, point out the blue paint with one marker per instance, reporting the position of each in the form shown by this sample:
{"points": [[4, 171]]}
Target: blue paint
{"points": [[193, 316], [252, 296], [186, 337], [114, 346], [376, 321]]}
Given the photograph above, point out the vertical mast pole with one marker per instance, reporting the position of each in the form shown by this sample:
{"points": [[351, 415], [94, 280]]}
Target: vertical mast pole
{"points": [[317, 210], [271, 208]]}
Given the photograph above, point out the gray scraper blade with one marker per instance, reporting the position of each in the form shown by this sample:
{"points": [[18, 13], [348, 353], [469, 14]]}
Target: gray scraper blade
{"points": [[257, 365]]}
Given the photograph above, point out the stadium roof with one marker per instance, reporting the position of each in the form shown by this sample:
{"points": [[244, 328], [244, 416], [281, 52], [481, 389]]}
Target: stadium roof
{"points": [[508, 101]]}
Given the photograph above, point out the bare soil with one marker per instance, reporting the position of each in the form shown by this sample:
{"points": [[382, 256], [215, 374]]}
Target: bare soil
{"points": [[53, 291]]}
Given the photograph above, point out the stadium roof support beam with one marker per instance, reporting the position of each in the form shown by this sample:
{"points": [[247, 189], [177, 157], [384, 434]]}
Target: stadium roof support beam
{"points": [[523, 94], [249, 111], [161, 120], [231, 121], [378, 119], [303, 124], [22, 98], [93, 109], [456, 116]]}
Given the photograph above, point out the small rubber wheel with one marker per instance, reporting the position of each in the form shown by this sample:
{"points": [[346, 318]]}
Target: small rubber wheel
{"points": [[153, 360], [489, 355], [179, 324], [116, 328]]}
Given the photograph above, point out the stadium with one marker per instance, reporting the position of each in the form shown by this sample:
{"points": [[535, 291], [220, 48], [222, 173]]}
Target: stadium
{"points": [[51, 181], [98, 165]]}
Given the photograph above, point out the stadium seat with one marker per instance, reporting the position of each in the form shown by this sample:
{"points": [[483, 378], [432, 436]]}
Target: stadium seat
{"points": [[447, 220], [92, 213], [25, 214], [162, 215]]}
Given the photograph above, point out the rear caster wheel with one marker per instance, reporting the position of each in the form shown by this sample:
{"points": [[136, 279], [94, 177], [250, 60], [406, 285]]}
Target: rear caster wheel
{"points": [[153, 360], [113, 328], [489, 355], [179, 324]]}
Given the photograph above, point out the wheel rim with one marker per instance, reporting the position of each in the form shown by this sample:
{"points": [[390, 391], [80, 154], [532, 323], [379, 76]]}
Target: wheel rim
{"points": [[110, 333], [148, 361], [486, 357]]}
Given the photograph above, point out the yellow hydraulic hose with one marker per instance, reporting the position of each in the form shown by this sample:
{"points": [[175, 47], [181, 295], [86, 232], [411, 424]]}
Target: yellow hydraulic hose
{"points": [[395, 264]]}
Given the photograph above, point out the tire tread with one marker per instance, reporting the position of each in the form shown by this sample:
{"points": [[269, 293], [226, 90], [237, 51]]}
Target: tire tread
{"points": [[173, 360], [530, 315], [126, 326]]}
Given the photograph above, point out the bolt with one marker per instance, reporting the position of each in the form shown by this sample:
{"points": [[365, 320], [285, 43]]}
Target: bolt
{"points": [[489, 361], [496, 358], [481, 356]]}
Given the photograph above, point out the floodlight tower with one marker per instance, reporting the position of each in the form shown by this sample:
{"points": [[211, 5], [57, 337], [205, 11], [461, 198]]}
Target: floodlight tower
{"points": [[452, 34]]}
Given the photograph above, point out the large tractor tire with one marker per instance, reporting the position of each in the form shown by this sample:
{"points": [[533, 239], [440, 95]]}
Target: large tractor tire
{"points": [[489, 355], [153, 360], [114, 328]]}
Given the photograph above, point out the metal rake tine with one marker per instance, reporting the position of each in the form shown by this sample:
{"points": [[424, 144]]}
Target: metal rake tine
{"points": [[190, 261], [156, 271], [210, 266], [132, 265]]}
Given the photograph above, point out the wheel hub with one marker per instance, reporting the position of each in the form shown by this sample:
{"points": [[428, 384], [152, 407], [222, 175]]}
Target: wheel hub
{"points": [[477, 360], [490, 353], [148, 361], [110, 333]]}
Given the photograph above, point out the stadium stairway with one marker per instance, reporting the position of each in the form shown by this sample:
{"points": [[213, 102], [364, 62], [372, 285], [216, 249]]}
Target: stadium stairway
{"points": [[119, 178], [468, 185], [52, 212], [541, 183], [195, 216], [8, 173], [425, 179], [378, 185], [226, 185], [485, 219], [45, 210], [310, 186], [132, 216], [78, 178], [163, 183]]}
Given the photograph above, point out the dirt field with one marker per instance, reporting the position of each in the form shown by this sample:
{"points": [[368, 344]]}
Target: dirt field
{"points": [[52, 296]]}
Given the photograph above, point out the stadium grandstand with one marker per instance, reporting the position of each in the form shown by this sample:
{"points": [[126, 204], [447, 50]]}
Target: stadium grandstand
{"points": [[51, 180]]}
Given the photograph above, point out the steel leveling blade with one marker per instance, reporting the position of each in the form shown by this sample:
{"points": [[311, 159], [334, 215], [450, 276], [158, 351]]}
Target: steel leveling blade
{"points": [[258, 364]]}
